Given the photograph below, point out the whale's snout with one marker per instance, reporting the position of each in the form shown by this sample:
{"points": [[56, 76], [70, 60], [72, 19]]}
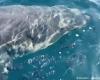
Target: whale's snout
{"points": [[73, 18]]}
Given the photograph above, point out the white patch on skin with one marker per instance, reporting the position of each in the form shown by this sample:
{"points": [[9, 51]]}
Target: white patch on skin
{"points": [[39, 36], [77, 12], [60, 52], [5, 70]]}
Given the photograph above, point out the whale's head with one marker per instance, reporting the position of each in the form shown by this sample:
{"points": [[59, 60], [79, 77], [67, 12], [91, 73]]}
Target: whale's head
{"points": [[36, 27]]}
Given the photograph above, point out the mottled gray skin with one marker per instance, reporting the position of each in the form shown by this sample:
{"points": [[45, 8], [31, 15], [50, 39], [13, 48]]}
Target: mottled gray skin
{"points": [[20, 24]]}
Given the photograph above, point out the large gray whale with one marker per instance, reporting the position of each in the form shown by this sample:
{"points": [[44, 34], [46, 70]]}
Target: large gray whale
{"points": [[36, 27], [33, 28]]}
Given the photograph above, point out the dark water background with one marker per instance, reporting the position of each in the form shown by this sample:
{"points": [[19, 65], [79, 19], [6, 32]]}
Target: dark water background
{"points": [[70, 57]]}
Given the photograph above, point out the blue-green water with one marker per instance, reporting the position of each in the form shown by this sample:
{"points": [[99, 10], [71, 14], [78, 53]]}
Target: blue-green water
{"points": [[71, 57]]}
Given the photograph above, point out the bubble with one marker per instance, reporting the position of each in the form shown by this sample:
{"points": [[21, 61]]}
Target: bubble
{"points": [[77, 35]]}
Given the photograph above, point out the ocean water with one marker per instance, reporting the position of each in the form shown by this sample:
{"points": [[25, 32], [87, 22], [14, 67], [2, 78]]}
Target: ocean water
{"points": [[75, 56]]}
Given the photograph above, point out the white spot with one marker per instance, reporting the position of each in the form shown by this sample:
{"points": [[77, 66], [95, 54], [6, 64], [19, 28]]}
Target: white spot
{"points": [[2, 61], [59, 52], [53, 71], [16, 55], [5, 70], [8, 64], [84, 30], [90, 28], [29, 61], [60, 79], [97, 63], [76, 11], [74, 44], [77, 35]]}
